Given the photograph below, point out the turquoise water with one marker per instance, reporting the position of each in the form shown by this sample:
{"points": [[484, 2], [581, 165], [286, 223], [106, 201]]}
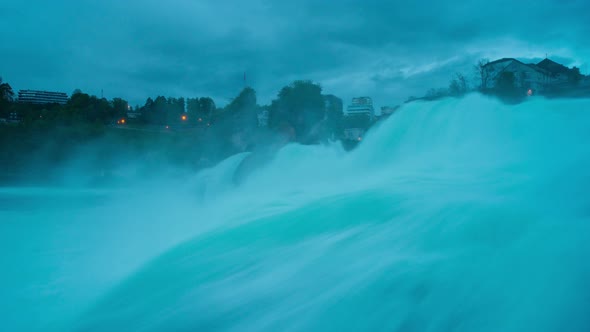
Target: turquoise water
{"points": [[455, 215]]}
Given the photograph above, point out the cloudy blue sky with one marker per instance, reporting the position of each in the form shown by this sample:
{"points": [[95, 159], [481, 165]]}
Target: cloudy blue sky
{"points": [[385, 49]]}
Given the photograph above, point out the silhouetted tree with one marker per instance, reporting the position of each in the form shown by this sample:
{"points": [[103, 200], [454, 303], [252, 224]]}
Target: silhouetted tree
{"points": [[334, 116], [482, 73], [193, 109], [158, 111], [99, 111], [207, 105], [120, 108], [200, 110], [506, 86], [174, 110], [240, 120], [300, 106], [243, 110], [82, 107], [6, 98], [433, 94], [146, 111], [458, 85], [6, 92], [246, 99], [574, 75]]}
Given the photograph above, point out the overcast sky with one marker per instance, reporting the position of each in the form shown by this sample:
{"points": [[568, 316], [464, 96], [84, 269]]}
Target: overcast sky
{"points": [[388, 50]]}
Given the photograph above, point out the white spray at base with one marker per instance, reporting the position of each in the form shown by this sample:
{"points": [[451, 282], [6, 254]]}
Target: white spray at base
{"points": [[454, 215]]}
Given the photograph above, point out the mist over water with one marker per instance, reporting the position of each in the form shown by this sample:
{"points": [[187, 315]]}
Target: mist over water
{"points": [[455, 215]]}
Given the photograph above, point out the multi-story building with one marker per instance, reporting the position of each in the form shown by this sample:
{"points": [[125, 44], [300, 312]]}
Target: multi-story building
{"points": [[42, 97], [361, 106]]}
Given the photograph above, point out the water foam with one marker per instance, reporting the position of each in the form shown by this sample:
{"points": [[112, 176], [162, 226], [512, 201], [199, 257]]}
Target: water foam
{"points": [[455, 215]]}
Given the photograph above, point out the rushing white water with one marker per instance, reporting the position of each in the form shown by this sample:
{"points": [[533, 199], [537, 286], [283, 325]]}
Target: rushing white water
{"points": [[455, 215]]}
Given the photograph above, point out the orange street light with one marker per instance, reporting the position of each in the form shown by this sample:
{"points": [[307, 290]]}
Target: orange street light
{"points": [[183, 117]]}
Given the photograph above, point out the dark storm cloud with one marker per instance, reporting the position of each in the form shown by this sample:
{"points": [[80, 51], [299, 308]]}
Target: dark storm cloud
{"points": [[385, 49]]}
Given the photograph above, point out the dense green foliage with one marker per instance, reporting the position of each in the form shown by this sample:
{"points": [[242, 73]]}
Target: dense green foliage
{"points": [[36, 140], [6, 97], [506, 87], [162, 111], [200, 110], [574, 76], [301, 110], [192, 132]]}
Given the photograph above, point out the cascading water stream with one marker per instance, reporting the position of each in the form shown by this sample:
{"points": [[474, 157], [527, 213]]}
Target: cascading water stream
{"points": [[454, 215]]}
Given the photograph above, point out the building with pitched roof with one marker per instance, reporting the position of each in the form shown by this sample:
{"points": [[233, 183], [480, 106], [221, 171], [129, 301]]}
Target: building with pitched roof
{"points": [[542, 77], [528, 77], [556, 70]]}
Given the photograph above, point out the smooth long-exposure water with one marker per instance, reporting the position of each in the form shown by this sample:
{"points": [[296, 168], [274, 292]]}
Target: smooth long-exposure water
{"points": [[455, 215]]}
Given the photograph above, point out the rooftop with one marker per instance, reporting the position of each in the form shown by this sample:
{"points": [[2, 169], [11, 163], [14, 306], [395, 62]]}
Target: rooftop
{"points": [[553, 67]]}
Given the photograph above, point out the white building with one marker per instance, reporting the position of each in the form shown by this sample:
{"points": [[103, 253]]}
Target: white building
{"points": [[361, 106], [42, 97]]}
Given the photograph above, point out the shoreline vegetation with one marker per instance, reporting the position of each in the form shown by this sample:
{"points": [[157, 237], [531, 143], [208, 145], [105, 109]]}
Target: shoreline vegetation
{"points": [[110, 140]]}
